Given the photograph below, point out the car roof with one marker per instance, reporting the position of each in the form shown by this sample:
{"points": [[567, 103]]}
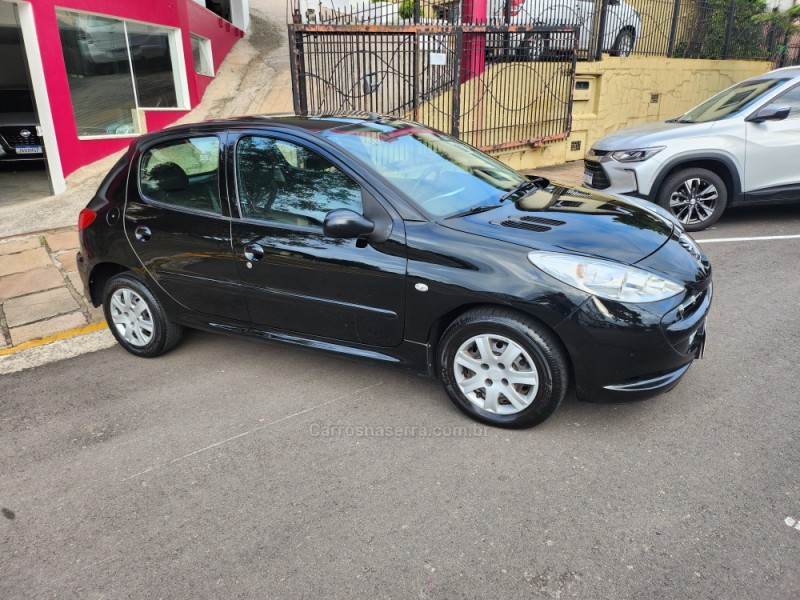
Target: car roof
{"points": [[783, 73], [311, 124]]}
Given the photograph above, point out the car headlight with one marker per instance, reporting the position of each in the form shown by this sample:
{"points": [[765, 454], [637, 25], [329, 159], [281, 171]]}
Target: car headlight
{"points": [[636, 155], [604, 278]]}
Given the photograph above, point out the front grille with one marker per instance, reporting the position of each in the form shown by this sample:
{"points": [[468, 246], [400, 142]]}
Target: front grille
{"points": [[13, 137], [599, 177]]}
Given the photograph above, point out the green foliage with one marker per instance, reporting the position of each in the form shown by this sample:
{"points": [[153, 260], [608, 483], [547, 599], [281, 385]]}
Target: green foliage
{"points": [[407, 9], [784, 23], [706, 36]]}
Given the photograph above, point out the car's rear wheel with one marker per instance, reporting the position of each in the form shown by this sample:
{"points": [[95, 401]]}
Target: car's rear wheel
{"points": [[533, 47], [697, 197], [623, 44], [136, 317], [502, 368]]}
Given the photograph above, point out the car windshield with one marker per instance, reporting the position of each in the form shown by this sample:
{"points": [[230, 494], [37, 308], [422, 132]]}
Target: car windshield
{"points": [[730, 101], [441, 175]]}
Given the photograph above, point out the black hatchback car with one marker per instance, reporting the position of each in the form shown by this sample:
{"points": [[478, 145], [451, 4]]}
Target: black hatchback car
{"points": [[382, 239]]}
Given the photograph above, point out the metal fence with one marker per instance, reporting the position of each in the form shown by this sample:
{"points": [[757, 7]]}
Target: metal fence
{"points": [[500, 77], [492, 86], [719, 29]]}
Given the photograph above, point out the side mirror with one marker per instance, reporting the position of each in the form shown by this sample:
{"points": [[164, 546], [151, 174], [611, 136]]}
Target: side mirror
{"points": [[346, 223], [771, 112]]}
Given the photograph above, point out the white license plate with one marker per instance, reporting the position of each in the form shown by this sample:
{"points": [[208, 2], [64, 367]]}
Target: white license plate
{"points": [[587, 177], [28, 149]]}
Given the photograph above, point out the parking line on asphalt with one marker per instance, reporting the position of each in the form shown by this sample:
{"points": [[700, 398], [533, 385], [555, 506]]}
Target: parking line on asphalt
{"points": [[760, 238], [64, 335]]}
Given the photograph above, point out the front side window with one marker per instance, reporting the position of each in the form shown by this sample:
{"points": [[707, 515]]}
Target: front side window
{"points": [[183, 173], [792, 100], [286, 183], [114, 68]]}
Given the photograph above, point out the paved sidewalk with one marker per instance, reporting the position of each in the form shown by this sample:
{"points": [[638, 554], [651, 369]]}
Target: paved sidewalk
{"points": [[40, 289], [570, 173]]}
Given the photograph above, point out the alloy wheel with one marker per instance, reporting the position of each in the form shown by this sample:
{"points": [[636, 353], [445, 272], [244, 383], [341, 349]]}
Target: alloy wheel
{"points": [[694, 201]]}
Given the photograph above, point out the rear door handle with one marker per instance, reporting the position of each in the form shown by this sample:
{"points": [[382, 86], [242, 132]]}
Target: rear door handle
{"points": [[142, 233], [253, 252]]}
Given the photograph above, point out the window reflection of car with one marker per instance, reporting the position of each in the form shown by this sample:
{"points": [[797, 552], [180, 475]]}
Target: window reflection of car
{"points": [[19, 131], [101, 42]]}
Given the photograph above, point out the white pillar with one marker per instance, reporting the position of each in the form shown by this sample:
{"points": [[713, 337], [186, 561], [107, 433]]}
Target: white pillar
{"points": [[36, 69], [240, 13]]}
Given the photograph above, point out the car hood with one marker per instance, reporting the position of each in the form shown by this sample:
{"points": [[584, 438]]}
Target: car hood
{"points": [[574, 220], [649, 134]]}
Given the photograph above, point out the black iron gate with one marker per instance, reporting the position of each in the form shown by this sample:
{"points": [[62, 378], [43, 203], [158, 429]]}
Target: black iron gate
{"points": [[494, 87]]}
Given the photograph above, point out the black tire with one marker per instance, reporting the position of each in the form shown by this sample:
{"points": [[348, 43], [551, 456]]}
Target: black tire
{"points": [[163, 335], [623, 44], [679, 189], [545, 351]]}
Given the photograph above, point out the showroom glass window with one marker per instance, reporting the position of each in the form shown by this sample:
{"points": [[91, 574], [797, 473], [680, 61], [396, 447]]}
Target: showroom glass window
{"points": [[114, 68], [285, 183], [183, 173], [201, 55]]}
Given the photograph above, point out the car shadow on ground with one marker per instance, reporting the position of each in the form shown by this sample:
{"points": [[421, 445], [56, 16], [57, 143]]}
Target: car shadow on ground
{"points": [[422, 399]]}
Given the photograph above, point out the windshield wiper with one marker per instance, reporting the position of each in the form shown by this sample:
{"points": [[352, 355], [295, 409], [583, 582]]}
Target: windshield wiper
{"points": [[474, 210], [520, 187]]}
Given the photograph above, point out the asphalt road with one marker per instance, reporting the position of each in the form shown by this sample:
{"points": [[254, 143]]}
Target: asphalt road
{"points": [[233, 469]]}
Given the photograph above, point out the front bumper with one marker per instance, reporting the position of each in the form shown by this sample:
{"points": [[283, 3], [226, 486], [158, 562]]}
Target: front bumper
{"points": [[623, 352], [602, 172]]}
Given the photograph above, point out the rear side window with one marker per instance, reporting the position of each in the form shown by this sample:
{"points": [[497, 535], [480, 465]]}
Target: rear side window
{"points": [[183, 173]]}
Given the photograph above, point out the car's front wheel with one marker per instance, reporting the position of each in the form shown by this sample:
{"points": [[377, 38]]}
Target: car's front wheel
{"points": [[502, 368], [136, 317], [697, 197]]}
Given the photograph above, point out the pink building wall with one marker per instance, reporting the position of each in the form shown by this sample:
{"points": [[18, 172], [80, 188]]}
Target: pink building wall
{"points": [[186, 15]]}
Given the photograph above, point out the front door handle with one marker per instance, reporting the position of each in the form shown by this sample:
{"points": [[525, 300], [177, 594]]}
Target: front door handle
{"points": [[142, 233], [253, 252]]}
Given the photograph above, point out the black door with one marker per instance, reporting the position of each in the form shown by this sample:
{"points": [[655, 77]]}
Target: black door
{"points": [[179, 225], [297, 279]]}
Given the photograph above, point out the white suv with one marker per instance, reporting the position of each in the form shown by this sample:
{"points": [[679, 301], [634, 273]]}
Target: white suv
{"points": [[622, 29], [740, 147]]}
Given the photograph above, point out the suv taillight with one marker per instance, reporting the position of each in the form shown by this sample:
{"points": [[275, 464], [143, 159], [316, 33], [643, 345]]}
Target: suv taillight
{"points": [[86, 218]]}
